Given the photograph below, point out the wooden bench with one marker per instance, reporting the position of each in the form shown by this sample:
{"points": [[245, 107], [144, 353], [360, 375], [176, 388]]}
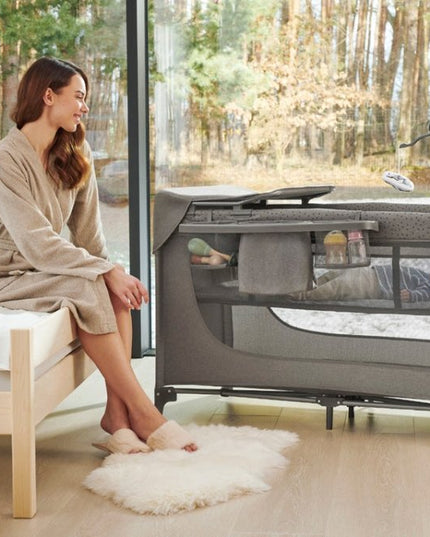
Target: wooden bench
{"points": [[47, 363]]}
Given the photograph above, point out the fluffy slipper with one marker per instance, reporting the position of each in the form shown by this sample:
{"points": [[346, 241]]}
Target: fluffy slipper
{"points": [[123, 441], [169, 436]]}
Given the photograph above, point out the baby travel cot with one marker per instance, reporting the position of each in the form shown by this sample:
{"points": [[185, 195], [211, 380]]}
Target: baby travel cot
{"points": [[220, 327]]}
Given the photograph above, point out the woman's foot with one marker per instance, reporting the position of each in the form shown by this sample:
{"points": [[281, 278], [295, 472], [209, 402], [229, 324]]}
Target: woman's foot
{"points": [[170, 435], [160, 433], [124, 441], [116, 418]]}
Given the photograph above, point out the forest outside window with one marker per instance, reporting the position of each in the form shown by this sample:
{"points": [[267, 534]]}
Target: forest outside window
{"points": [[275, 93]]}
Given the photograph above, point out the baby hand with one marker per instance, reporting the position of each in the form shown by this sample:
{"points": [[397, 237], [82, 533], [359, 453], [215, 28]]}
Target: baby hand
{"points": [[405, 295]]}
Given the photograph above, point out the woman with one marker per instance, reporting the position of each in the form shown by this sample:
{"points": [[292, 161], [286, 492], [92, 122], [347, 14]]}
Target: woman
{"points": [[47, 181]]}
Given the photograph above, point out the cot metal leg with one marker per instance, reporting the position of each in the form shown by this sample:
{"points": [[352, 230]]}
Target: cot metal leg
{"points": [[329, 402], [163, 396], [329, 418]]}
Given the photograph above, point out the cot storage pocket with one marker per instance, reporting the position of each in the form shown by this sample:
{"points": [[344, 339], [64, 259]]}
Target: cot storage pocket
{"points": [[342, 248]]}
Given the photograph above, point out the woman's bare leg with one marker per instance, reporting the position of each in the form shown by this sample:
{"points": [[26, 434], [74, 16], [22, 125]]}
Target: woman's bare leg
{"points": [[107, 352], [128, 405], [116, 413]]}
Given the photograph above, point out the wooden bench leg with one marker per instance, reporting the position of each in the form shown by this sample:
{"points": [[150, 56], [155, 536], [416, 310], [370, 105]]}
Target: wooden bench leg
{"points": [[24, 473], [23, 428]]}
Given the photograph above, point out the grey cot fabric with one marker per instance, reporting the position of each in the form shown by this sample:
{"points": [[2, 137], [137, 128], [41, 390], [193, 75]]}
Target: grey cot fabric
{"points": [[172, 204], [39, 269]]}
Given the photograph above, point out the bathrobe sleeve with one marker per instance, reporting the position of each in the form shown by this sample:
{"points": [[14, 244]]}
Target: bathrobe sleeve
{"points": [[32, 232], [85, 223]]}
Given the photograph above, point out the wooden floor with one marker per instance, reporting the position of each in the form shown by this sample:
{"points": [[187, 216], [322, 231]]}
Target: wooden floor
{"points": [[366, 478]]}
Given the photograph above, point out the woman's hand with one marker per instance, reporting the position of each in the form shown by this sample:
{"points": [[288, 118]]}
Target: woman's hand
{"points": [[127, 288]]}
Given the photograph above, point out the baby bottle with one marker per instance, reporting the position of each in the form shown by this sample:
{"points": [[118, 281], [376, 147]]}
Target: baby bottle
{"points": [[356, 248], [335, 248]]}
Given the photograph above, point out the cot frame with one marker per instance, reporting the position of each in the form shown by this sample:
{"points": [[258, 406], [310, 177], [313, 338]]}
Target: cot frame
{"points": [[196, 351], [29, 399]]}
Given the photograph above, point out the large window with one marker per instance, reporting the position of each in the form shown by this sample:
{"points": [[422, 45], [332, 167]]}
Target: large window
{"points": [[270, 93]]}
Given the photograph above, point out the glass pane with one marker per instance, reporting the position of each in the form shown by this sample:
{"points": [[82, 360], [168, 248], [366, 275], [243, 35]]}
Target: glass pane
{"points": [[270, 93], [91, 34]]}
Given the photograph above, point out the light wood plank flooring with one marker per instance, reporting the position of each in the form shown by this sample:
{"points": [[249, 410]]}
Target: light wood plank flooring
{"points": [[366, 478]]}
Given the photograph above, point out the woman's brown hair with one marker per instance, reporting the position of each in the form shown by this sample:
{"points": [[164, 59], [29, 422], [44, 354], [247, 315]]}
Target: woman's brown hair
{"points": [[67, 162]]}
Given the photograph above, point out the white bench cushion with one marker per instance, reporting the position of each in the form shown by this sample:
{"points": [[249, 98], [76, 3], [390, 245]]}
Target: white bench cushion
{"points": [[14, 319]]}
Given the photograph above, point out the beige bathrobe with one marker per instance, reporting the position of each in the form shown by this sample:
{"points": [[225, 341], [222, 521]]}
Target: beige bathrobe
{"points": [[39, 269]]}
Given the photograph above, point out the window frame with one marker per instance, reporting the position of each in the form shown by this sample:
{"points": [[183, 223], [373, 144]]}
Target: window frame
{"points": [[139, 174]]}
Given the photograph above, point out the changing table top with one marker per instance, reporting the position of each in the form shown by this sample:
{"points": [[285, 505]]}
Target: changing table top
{"points": [[172, 204]]}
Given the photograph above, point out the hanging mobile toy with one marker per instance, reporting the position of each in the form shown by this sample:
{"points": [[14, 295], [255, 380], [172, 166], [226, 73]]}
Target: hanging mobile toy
{"points": [[398, 181], [414, 141]]}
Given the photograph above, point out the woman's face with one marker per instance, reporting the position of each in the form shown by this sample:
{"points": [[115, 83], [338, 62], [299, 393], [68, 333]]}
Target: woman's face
{"points": [[68, 105]]}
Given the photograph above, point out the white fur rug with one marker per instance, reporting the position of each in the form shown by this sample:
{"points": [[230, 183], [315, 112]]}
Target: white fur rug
{"points": [[230, 461]]}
